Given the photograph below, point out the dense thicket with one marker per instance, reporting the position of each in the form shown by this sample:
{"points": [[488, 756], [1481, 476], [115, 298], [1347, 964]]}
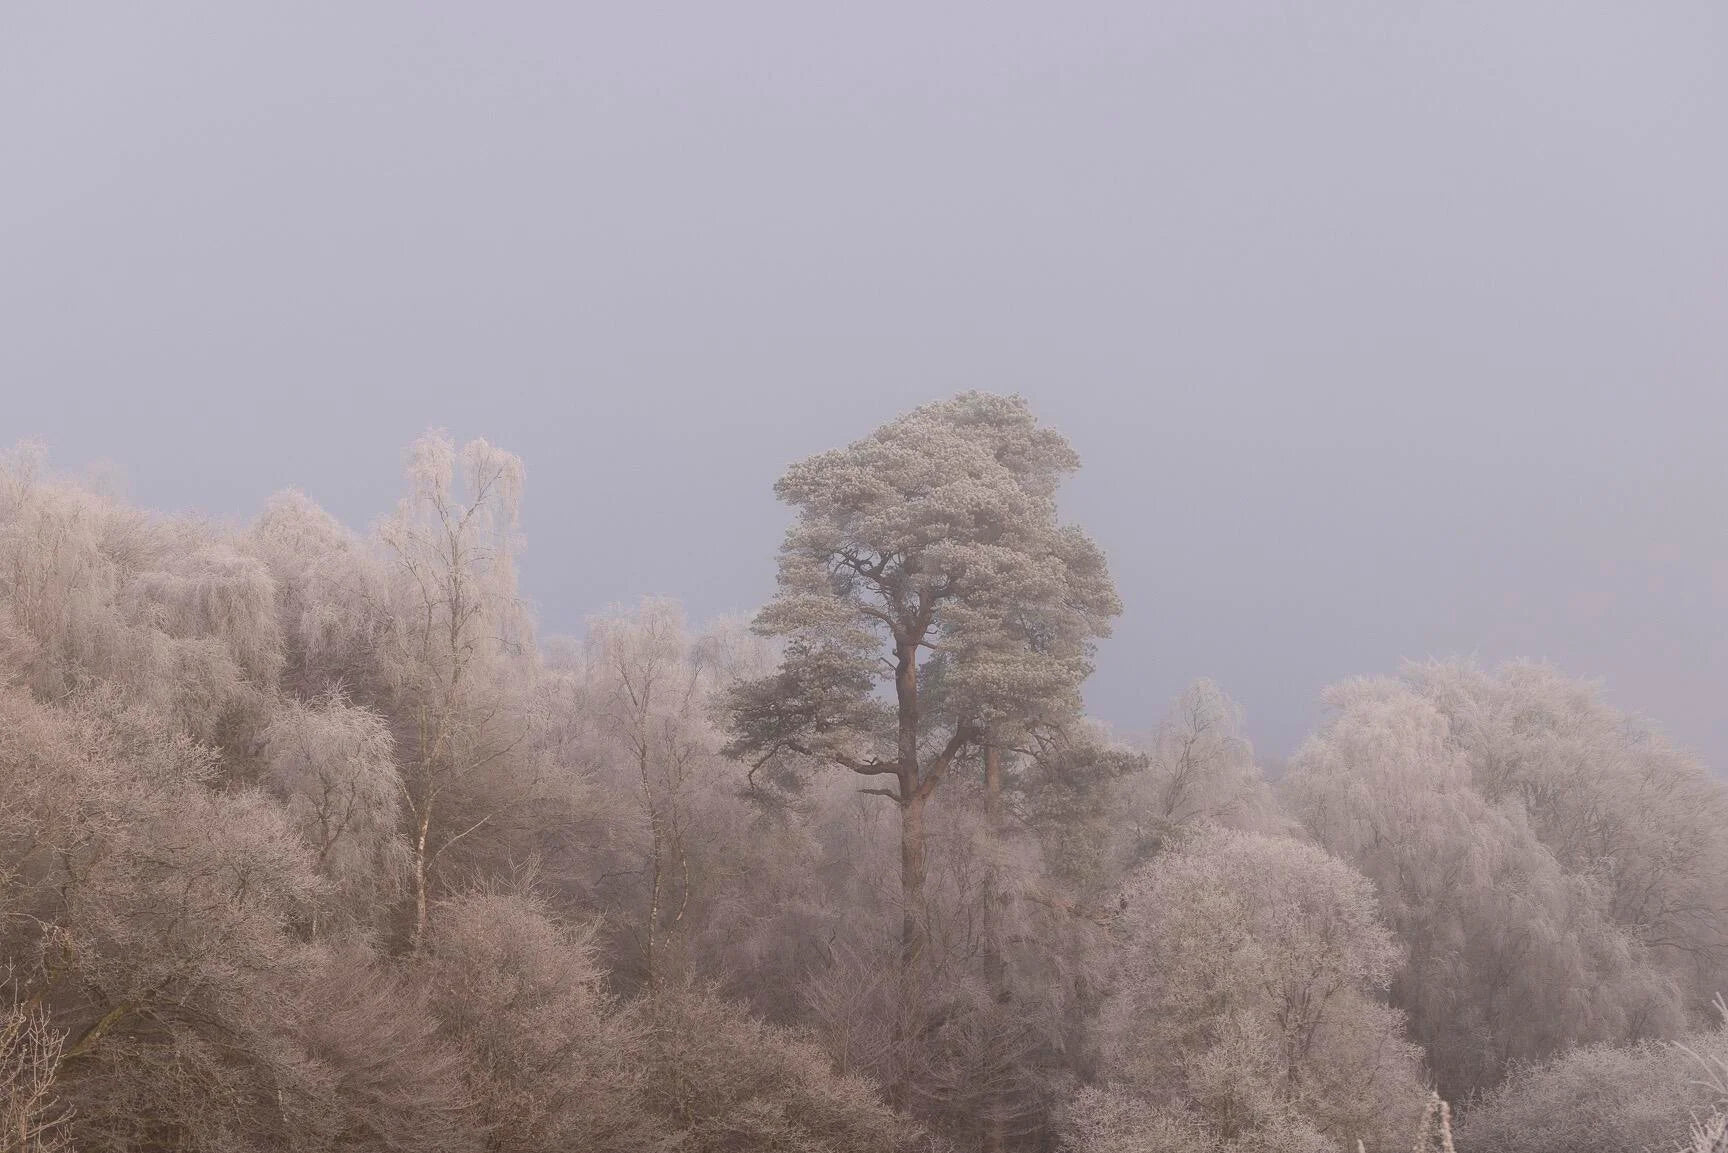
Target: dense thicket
{"points": [[1557, 870], [308, 841]]}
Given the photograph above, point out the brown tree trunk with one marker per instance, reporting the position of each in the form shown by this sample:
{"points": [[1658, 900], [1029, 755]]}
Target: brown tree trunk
{"points": [[914, 929], [993, 787], [995, 967], [912, 856], [913, 922], [913, 866]]}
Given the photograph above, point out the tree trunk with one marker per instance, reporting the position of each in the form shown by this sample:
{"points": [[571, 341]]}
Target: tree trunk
{"points": [[912, 797], [995, 966], [913, 920], [420, 876], [993, 787], [914, 928], [654, 883], [653, 854]]}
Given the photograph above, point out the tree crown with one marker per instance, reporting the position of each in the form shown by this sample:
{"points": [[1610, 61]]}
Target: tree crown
{"points": [[932, 545]]}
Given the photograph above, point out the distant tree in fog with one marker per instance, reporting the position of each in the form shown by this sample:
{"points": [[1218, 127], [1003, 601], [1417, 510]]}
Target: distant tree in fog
{"points": [[1609, 798], [1247, 994], [652, 688], [1503, 939], [927, 557], [455, 616], [1199, 768], [334, 765]]}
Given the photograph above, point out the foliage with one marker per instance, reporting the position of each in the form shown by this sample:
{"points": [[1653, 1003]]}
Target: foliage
{"points": [[1247, 993], [1615, 1098], [309, 842], [1512, 955]]}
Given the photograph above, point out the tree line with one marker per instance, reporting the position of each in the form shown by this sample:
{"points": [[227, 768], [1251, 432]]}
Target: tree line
{"points": [[309, 840]]}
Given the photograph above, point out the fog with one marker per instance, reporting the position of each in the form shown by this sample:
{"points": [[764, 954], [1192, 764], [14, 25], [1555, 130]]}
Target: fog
{"points": [[1384, 332], [1148, 579]]}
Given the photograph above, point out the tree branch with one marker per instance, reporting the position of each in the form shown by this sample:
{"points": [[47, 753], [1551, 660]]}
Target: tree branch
{"points": [[867, 768], [961, 738], [94, 1034]]}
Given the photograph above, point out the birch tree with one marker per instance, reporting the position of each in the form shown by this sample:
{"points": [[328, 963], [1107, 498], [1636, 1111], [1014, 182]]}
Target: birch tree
{"points": [[1608, 797], [651, 696], [1500, 936], [452, 589]]}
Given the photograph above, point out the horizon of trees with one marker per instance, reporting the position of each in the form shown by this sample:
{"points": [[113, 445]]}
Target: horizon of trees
{"points": [[310, 841]]}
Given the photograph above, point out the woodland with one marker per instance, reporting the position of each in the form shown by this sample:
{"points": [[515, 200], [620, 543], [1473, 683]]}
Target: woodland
{"points": [[310, 840]]}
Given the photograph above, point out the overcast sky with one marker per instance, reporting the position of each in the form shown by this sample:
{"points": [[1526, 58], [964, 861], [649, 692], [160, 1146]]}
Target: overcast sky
{"points": [[1385, 330]]}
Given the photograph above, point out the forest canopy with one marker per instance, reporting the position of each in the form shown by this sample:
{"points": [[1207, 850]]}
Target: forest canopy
{"points": [[309, 840]]}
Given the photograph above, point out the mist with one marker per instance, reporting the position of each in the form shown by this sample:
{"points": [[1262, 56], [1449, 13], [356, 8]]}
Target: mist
{"points": [[1384, 334], [1146, 580]]}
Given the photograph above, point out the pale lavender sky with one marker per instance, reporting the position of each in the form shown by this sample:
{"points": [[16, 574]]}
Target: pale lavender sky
{"points": [[1385, 330]]}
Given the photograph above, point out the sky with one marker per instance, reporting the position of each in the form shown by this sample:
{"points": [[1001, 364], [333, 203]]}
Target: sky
{"points": [[1385, 331]]}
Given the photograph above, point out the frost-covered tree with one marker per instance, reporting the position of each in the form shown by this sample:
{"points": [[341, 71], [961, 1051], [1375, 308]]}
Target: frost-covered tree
{"points": [[455, 617], [1248, 993], [332, 601], [1501, 938], [1609, 1098], [150, 914], [31, 1117], [1199, 767], [721, 1081], [1098, 1120], [171, 611], [333, 763], [1608, 797], [685, 871], [1200, 763], [368, 1068], [927, 559], [652, 695], [553, 1061]]}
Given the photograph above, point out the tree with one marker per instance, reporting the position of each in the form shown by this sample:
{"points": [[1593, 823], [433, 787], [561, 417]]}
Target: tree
{"points": [[331, 598], [927, 557], [723, 1081], [1248, 993], [1608, 797], [1500, 937], [171, 611], [1608, 1098], [1101, 1121], [1200, 767], [652, 697], [31, 1120], [150, 917], [333, 764], [553, 1061], [455, 616], [370, 1071]]}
